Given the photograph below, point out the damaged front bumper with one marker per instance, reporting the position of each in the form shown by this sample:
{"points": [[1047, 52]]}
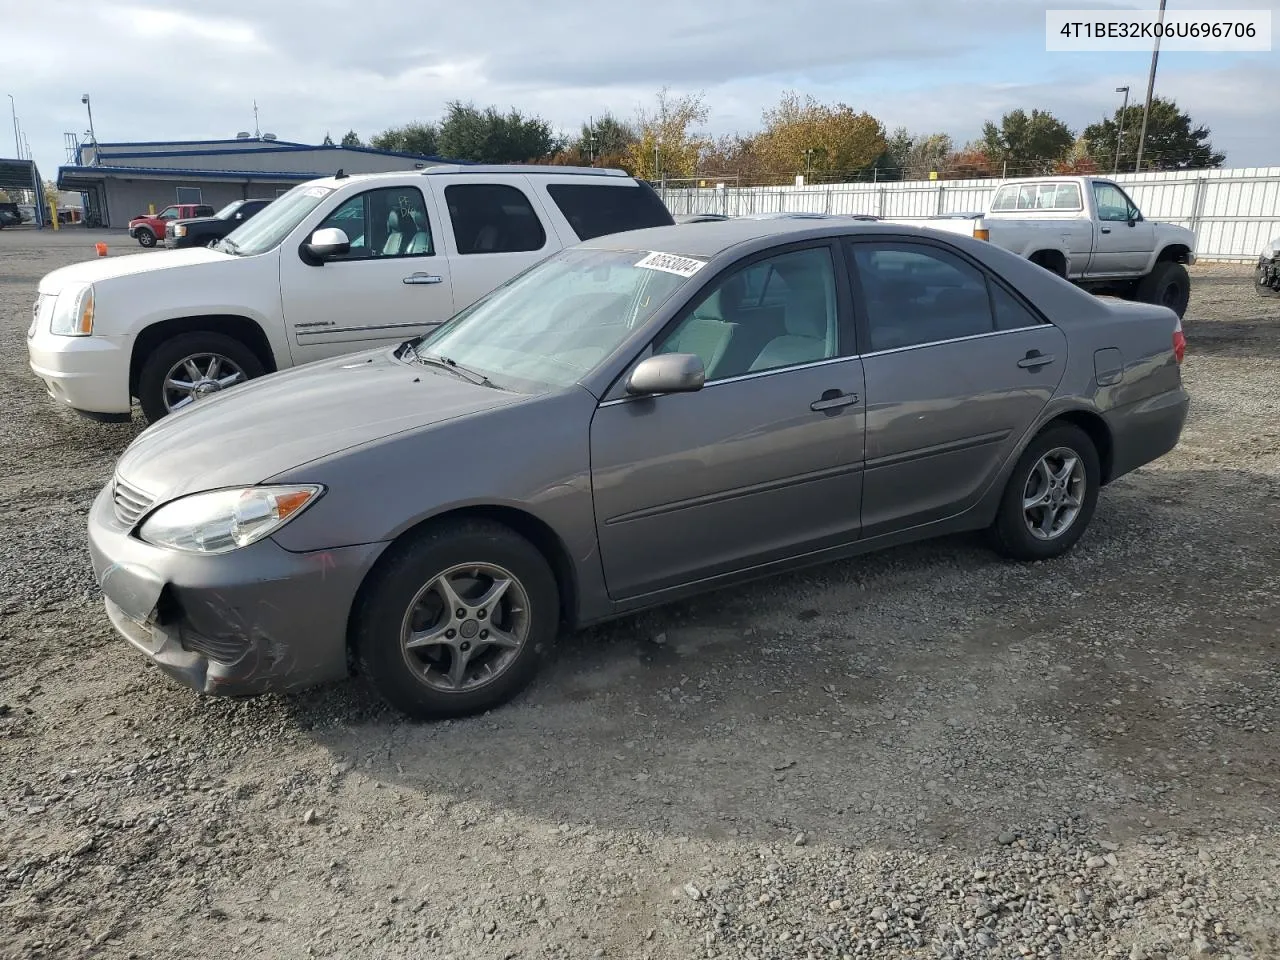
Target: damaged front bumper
{"points": [[1267, 275], [257, 620]]}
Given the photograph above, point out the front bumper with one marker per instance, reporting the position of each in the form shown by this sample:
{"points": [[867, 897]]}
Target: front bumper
{"points": [[88, 374], [1268, 272], [260, 619]]}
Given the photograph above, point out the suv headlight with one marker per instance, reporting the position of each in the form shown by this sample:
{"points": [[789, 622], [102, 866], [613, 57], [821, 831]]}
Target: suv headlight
{"points": [[220, 521], [73, 312], [179, 230]]}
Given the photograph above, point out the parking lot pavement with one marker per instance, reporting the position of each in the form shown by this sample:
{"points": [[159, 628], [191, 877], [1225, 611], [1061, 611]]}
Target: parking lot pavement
{"points": [[923, 753]]}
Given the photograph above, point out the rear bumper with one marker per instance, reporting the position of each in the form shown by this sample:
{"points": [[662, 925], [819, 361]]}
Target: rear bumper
{"points": [[1146, 430]]}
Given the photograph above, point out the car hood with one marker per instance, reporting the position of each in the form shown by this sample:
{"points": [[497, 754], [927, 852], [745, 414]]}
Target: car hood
{"points": [[108, 268], [256, 431]]}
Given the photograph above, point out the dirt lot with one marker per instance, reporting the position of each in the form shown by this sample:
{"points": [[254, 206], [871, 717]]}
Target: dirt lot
{"points": [[926, 753]]}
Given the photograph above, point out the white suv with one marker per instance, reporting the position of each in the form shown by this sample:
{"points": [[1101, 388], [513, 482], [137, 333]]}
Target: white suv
{"points": [[335, 265]]}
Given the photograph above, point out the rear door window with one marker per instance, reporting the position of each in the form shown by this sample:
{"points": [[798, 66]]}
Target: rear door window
{"points": [[493, 218], [596, 209]]}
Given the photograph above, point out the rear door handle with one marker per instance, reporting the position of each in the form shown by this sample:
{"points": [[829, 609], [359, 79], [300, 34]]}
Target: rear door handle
{"points": [[422, 278], [1034, 360], [833, 399]]}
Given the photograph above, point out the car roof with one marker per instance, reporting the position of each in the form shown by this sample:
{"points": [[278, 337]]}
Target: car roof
{"points": [[710, 239]]}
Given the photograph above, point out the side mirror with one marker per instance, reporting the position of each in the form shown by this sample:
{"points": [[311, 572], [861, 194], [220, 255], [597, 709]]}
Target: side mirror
{"points": [[324, 245], [667, 373]]}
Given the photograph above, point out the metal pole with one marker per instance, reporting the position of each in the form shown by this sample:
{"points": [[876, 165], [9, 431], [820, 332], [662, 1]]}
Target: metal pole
{"points": [[1120, 136], [13, 109], [1151, 84], [92, 136]]}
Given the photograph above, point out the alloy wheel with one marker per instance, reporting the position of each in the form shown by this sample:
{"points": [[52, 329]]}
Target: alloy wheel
{"points": [[199, 376], [1054, 493]]}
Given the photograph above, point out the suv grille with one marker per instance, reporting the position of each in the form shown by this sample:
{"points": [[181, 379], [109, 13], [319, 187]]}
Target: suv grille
{"points": [[130, 503]]}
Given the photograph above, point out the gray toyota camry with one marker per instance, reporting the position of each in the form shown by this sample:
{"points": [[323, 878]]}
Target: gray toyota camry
{"points": [[635, 419]]}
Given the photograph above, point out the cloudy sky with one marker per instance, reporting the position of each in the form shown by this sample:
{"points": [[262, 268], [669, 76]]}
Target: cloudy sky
{"points": [[164, 69]]}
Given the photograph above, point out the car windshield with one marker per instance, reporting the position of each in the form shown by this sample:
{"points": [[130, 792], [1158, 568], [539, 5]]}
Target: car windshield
{"points": [[227, 212], [265, 231], [553, 323]]}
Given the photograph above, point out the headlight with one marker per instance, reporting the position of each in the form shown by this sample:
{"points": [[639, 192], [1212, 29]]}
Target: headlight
{"points": [[220, 521], [73, 312], [179, 230]]}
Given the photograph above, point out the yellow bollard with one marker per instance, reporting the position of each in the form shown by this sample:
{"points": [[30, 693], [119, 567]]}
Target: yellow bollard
{"points": [[151, 209], [54, 207]]}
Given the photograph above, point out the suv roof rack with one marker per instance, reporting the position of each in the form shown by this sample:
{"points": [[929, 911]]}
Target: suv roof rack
{"points": [[445, 169]]}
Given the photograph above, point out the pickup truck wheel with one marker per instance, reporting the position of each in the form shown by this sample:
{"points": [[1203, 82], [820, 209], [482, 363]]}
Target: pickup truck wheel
{"points": [[1167, 285], [1262, 284], [146, 237], [190, 367]]}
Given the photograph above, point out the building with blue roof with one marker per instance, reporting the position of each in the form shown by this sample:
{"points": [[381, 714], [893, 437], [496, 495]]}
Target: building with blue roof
{"points": [[119, 181]]}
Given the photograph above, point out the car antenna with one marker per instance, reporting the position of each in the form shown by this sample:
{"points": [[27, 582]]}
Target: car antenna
{"points": [[340, 175]]}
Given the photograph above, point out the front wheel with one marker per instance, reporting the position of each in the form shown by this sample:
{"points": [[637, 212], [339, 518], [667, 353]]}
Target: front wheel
{"points": [[1167, 285], [1050, 497], [191, 367], [456, 620], [1263, 282], [146, 238]]}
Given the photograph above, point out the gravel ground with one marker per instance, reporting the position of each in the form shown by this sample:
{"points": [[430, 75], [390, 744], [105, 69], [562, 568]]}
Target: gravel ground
{"points": [[924, 753]]}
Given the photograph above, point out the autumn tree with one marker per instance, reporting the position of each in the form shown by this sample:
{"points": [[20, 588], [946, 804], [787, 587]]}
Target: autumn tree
{"points": [[1174, 142], [351, 139], [1026, 143], [971, 162], [802, 134], [421, 139], [487, 136], [914, 156], [733, 155], [667, 143], [1078, 161]]}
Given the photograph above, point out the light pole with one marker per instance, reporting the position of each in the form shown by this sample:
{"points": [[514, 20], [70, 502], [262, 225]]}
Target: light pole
{"points": [[1120, 136], [1151, 84], [92, 136], [13, 109]]}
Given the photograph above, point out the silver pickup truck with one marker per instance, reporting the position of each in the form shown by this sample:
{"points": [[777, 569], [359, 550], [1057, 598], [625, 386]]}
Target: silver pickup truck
{"points": [[1088, 230]]}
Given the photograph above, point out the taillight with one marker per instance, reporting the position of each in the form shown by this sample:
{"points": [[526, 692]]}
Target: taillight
{"points": [[981, 231], [1179, 343]]}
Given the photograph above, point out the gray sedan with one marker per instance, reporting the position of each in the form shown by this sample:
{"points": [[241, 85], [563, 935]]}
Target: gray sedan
{"points": [[636, 419]]}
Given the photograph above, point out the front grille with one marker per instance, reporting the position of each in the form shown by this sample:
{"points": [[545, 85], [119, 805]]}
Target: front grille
{"points": [[129, 502]]}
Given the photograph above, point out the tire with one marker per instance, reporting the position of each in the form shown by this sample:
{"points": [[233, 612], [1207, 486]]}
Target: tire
{"points": [[146, 237], [417, 684], [155, 371], [1167, 285], [1264, 290], [1011, 533]]}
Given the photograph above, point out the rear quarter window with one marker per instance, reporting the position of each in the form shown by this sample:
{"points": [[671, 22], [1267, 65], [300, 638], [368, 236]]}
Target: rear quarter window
{"points": [[596, 209]]}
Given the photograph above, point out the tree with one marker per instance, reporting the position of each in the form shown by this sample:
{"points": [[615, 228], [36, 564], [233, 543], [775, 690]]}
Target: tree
{"points": [[469, 133], [913, 157], [422, 139], [1027, 144], [667, 144], [1078, 162], [802, 135], [351, 139], [1173, 141], [969, 163], [605, 136], [733, 155], [327, 141]]}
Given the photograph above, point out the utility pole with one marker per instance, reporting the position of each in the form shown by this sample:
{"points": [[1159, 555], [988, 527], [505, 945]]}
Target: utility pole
{"points": [[257, 134], [92, 136], [1151, 84], [591, 141], [1120, 136], [17, 144]]}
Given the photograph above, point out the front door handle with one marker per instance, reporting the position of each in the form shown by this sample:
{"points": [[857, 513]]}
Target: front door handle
{"points": [[833, 399], [1104, 229], [1034, 360], [422, 278]]}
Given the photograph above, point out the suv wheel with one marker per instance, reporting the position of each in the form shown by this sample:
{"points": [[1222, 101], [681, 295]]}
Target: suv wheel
{"points": [[191, 367]]}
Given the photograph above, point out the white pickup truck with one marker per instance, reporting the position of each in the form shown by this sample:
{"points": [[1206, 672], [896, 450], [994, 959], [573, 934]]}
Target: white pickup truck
{"points": [[335, 265], [1087, 230]]}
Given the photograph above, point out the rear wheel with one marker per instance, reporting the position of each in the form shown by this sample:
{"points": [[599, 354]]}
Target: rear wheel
{"points": [[1167, 285], [191, 367], [1051, 495], [1262, 283], [457, 619], [146, 237]]}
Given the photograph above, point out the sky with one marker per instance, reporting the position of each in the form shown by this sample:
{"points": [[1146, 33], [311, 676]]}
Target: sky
{"points": [[163, 69]]}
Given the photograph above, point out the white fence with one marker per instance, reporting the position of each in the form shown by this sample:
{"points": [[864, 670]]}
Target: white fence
{"points": [[1232, 212]]}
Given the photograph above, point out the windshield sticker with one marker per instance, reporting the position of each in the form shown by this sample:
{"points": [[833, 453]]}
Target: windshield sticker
{"points": [[316, 191], [671, 263]]}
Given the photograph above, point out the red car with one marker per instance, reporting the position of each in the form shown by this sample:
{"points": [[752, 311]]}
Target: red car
{"points": [[147, 229]]}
